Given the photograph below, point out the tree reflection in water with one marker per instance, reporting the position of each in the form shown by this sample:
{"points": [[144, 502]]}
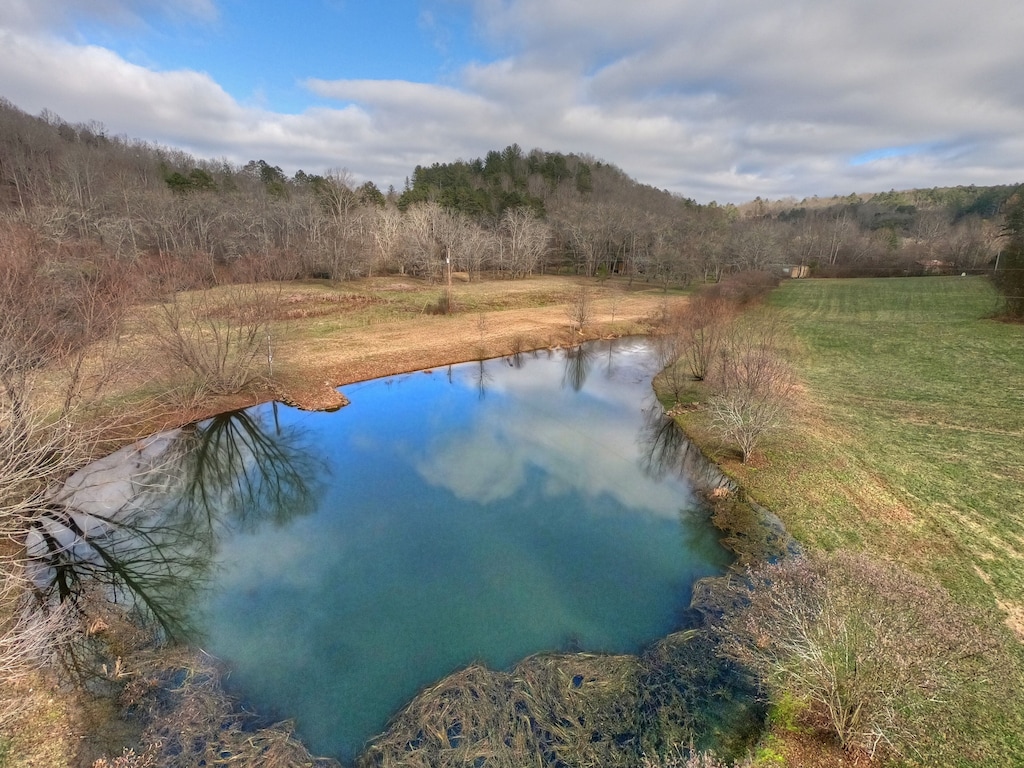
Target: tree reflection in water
{"points": [[236, 473], [667, 450], [144, 524], [482, 377], [577, 366], [751, 532]]}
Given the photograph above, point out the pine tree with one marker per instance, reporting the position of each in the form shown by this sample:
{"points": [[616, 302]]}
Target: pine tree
{"points": [[1009, 274]]}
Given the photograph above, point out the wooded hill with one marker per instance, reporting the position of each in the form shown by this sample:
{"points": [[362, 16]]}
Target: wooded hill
{"points": [[76, 191]]}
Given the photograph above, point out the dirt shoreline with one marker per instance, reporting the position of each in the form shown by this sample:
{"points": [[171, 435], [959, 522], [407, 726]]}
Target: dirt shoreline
{"points": [[309, 372]]}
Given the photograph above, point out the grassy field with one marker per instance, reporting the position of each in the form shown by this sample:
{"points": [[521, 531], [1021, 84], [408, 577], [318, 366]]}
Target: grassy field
{"points": [[908, 441], [918, 398]]}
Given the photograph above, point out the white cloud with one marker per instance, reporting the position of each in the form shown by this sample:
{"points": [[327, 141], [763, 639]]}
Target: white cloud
{"points": [[393, 102], [723, 101], [489, 458], [80, 82], [780, 86], [36, 14]]}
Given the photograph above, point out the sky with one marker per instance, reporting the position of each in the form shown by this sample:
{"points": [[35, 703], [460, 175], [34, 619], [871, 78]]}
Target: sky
{"points": [[716, 101]]}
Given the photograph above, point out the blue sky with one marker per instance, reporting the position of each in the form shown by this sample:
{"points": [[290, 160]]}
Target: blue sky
{"points": [[260, 52], [723, 101]]}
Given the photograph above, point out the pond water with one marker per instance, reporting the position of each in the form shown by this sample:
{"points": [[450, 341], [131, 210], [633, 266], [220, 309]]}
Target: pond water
{"points": [[477, 513]]}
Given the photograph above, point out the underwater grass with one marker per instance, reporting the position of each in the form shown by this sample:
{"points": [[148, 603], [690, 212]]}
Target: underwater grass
{"points": [[549, 709], [575, 709]]}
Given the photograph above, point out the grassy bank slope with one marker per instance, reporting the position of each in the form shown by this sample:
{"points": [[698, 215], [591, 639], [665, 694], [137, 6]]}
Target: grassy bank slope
{"points": [[907, 442]]}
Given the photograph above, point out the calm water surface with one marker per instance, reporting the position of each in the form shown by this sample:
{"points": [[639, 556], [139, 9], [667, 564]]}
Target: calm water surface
{"points": [[481, 512]]}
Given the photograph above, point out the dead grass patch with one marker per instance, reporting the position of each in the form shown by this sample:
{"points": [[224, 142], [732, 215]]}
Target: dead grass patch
{"points": [[1013, 612], [296, 306], [43, 733]]}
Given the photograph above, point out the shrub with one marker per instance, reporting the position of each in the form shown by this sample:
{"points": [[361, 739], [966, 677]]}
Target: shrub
{"points": [[218, 336], [752, 385], [875, 652], [743, 288], [693, 333]]}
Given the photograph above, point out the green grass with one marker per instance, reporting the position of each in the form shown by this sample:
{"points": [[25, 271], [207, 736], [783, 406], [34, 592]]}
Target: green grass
{"points": [[908, 443], [926, 395]]}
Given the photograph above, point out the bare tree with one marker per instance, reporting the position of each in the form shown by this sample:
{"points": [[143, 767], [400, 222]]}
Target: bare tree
{"points": [[218, 336], [58, 306], [967, 246], [580, 309], [463, 242], [387, 233], [819, 237], [423, 252], [449, 231], [664, 259], [710, 232], [583, 230], [524, 239], [347, 241], [476, 250], [754, 244], [51, 312], [669, 346], [690, 338], [35, 451], [752, 386], [703, 325]]}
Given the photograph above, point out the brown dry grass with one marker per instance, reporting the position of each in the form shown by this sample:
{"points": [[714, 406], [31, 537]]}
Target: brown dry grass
{"points": [[46, 732], [326, 335]]}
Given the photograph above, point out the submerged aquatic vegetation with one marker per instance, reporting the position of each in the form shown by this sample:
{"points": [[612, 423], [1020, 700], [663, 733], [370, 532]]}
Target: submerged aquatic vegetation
{"points": [[575, 709], [551, 708]]}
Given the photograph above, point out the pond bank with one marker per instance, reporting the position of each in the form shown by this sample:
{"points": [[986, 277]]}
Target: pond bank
{"points": [[667, 677], [750, 531]]}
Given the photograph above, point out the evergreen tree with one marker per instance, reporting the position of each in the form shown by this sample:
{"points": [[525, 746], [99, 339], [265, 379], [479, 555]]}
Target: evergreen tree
{"points": [[1009, 275]]}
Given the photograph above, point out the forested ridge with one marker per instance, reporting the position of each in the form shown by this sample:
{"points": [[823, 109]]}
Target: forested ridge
{"points": [[509, 214]]}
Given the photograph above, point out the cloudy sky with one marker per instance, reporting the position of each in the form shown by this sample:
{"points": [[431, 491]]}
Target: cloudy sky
{"points": [[713, 100]]}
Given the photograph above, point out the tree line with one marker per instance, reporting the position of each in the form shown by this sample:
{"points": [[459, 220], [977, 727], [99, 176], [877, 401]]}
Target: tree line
{"points": [[508, 214]]}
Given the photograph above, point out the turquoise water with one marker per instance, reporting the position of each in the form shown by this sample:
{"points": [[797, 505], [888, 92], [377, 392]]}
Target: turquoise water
{"points": [[481, 512]]}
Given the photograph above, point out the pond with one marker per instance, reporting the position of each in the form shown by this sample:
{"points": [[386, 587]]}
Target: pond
{"points": [[481, 512]]}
